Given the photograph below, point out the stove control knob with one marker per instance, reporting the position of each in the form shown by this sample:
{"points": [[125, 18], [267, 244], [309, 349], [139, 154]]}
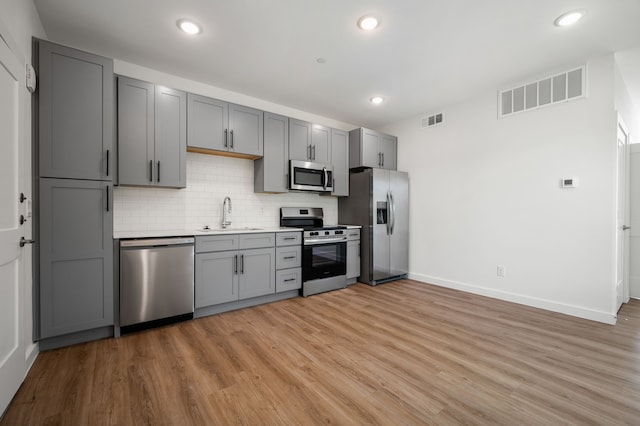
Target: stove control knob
{"points": [[339, 232], [313, 233], [326, 232]]}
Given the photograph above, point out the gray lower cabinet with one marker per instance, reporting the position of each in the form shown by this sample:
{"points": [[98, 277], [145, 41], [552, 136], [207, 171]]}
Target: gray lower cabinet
{"points": [[340, 162], [216, 125], [75, 101], [224, 276], [151, 134], [271, 171], [368, 148], [288, 261], [76, 256], [353, 255]]}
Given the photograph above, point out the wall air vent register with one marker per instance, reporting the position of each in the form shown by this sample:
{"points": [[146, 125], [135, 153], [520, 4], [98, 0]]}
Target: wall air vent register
{"points": [[558, 88]]}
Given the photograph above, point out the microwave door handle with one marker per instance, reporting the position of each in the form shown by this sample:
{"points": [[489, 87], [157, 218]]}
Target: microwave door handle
{"points": [[326, 178]]}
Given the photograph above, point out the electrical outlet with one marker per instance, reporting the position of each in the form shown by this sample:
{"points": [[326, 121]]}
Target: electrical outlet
{"points": [[502, 271]]}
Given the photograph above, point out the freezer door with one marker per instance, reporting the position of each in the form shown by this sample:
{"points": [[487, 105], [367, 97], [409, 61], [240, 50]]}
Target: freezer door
{"points": [[399, 238], [381, 224]]}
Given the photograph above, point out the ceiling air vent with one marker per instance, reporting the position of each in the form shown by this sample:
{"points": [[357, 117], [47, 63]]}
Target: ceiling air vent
{"points": [[557, 88], [430, 120]]}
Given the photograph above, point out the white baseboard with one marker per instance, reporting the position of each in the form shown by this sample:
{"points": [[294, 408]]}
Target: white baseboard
{"points": [[535, 302], [31, 355]]}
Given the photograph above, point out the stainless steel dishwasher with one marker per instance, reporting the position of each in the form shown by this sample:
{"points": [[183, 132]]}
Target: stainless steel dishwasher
{"points": [[156, 279]]}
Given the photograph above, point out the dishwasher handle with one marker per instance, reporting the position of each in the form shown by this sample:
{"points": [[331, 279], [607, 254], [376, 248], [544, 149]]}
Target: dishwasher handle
{"points": [[153, 242]]}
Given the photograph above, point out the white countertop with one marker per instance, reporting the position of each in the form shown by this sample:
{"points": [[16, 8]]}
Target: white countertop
{"points": [[196, 232]]}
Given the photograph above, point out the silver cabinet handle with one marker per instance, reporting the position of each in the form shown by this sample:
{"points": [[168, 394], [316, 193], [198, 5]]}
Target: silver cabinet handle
{"points": [[226, 138], [382, 159], [289, 238], [107, 162], [150, 170], [314, 152], [231, 139], [158, 172], [235, 265], [23, 242], [289, 279], [379, 159], [107, 198], [625, 227], [242, 264], [289, 257], [309, 152]]}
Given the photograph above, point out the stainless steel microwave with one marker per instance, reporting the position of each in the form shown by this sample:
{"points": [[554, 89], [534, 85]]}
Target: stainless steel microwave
{"points": [[307, 176]]}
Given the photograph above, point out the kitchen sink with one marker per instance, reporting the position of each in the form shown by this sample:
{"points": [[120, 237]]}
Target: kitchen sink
{"points": [[205, 231]]}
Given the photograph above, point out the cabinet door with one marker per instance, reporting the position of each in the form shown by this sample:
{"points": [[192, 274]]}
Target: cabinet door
{"points": [[76, 256], [370, 150], [246, 127], [207, 124], [320, 144], [340, 162], [76, 107], [270, 171], [171, 137], [216, 278], [257, 272], [353, 259], [135, 131], [299, 140], [388, 148]]}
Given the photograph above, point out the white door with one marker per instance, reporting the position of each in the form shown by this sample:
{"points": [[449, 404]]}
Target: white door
{"points": [[622, 234], [634, 243], [12, 270]]}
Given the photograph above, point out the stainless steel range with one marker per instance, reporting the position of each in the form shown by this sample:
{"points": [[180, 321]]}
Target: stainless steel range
{"points": [[324, 249]]}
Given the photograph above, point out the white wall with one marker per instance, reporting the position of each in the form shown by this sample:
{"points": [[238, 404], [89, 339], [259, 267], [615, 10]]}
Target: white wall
{"points": [[485, 192], [211, 178], [21, 21]]}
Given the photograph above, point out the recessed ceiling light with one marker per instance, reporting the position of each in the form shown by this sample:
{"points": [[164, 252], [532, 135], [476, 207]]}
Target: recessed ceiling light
{"points": [[189, 27], [368, 23], [569, 18], [377, 100]]}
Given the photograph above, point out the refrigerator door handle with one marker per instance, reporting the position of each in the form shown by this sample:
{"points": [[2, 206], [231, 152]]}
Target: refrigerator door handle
{"points": [[388, 213], [393, 212]]}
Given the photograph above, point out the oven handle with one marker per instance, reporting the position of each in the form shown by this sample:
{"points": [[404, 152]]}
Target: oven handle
{"points": [[318, 241]]}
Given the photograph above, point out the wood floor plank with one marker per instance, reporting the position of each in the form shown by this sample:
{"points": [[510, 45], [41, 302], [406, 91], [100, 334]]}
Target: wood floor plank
{"points": [[399, 353]]}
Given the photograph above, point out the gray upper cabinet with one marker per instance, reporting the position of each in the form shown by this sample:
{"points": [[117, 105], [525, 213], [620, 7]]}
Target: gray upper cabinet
{"points": [[368, 148], [309, 142], [170, 137], [75, 113], [215, 125], [271, 171], [151, 134], [320, 144], [340, 162], [76, 256]]}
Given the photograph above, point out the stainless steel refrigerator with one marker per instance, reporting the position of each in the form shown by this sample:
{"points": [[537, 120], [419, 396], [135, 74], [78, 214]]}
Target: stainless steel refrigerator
{"points": [[379, 202]]}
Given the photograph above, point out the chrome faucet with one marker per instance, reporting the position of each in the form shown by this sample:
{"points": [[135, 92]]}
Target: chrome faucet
{"points": [[226, 211]]}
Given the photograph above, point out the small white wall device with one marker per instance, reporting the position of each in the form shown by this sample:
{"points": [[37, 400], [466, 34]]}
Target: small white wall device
{"points": [[31, 79], [571, 182]]}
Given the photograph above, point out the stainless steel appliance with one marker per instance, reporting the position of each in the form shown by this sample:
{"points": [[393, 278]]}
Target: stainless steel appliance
{"points": [[156, 279], [324, 250], [379, 202], [307, 176]]}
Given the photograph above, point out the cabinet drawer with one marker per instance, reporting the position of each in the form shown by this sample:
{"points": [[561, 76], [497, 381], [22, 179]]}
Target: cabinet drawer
{"points": [[353, 234], [289, 238], [249, 241], [288, 257], [216, 243], [288, 279]]}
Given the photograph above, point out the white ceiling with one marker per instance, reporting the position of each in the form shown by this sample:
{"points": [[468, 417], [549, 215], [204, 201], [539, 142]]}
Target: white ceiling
{"points": [[426, 55]]}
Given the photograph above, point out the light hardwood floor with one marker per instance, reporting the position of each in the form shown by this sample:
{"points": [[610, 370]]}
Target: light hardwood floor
{"points": [[399, 353]]}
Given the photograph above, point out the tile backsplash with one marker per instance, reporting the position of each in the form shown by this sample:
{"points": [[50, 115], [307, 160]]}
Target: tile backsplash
{"points": [[210, 178]]}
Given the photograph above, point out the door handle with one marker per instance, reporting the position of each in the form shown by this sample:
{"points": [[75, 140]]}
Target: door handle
{"points": [[231, 139], [308, 152], [382, 159], [388, 214], [151, 171], [226, 138], [235, 264], [242, 264], [326, 178], [314, 152], [23, 242], [393, 211], [625, 227], [379, 159], [107, 162], [158, 172]]}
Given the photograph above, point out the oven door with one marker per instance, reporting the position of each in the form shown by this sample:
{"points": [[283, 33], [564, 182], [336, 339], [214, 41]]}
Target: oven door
{"points": [[307, 176], [324, 260]]}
